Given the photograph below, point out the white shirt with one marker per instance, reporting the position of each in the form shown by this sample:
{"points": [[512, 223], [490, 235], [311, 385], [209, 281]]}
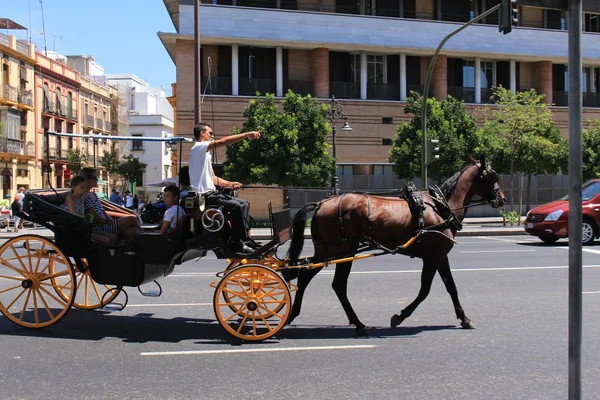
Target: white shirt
{"points": [[172, 215], [201, 174], [128, 200]]}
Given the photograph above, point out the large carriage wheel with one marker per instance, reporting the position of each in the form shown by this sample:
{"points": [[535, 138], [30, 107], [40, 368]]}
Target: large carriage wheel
{"points": [[258, 302], [230, 298], [89, 295], [32, 270]]}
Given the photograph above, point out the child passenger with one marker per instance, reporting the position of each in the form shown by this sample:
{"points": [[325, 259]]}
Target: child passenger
{"points": [[171, 199], [74, 203]]}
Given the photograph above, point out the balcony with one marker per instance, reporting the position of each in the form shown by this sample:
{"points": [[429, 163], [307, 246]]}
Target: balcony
{"points": [[72, 114], [106, 126], [90, 121], [218, 85], [381, 91], [26, 98], [249, 87], [302, 88], [344, 90], [18, 147], [48, 106], [10, 93], [466, 94], [591, 99]]}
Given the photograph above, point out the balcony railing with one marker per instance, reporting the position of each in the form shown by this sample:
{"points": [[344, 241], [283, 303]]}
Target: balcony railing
{"points": [[302, 88], [591, 99], [23, 48], [90, 121], [560, 98], [107, 126], [72, 114], [26, 97], [467, 94], [486, 96], [249, 87], [4, 40], [380, 91], [345, 90], [218, 85], [14, 146], [10, 93], [48, 106]]}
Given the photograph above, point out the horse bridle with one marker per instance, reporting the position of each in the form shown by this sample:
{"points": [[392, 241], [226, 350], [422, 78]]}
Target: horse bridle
{"points": [[494, 193]]}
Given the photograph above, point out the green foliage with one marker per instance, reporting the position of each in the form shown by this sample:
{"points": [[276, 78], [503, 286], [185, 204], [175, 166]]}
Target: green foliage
{"points": [[591, 150], [77, 159], [131, 167], [110, 161], [520, 136], [292, 150], [448, 121], [512, 217]]}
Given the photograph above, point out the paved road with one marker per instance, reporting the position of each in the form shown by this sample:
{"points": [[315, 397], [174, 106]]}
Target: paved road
{"points": [[513, 288]]}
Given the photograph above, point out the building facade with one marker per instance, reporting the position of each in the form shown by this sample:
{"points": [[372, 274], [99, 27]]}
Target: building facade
{"points": [[370, 55], [17, 115]]}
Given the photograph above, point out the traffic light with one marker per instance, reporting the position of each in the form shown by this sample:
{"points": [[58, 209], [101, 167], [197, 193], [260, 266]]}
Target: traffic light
{"points": [[433, 150], [509, 16]]}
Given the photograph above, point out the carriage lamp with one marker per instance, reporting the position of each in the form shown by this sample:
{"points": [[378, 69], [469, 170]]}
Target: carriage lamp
{"points": [[336, 113]]}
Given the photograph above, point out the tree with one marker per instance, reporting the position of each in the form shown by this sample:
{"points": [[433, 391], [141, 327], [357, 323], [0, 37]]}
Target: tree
{"points": [[110, 162], [292, 150], [449, 122], [591, 150], [521, 137], [77, 159], [131, 168]]}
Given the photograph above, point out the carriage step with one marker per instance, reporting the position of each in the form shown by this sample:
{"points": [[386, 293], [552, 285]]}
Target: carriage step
{"points": [[151, 293]]}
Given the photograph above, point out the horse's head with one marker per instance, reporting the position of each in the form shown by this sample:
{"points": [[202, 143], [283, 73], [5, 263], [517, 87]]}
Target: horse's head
{"points": [[487, 184]]}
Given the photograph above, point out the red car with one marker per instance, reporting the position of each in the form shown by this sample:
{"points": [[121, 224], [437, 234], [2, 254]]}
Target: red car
{"points": [[550, 221]]}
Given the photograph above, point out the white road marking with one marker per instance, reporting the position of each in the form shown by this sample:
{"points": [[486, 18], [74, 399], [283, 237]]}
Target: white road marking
{"points": [[591, 292], [411, 271], [170, 305], [503, 240], [494, 251], [262, 350], [583, 249]]}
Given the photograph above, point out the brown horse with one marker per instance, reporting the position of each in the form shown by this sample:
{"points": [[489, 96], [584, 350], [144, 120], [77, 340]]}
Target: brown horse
{"points": [[347, 224]]}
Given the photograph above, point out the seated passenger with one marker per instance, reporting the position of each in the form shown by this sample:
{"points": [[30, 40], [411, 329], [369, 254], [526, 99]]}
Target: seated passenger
{"points": [[74, 204], [184, 181], [174, 212], [126, 228]]}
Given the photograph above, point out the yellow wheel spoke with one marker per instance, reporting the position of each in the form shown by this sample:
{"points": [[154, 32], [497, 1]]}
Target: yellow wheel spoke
{"points": [[227, 304], [56, 285], [55, 275], [18, 271], [35, 308], [15, 299], [46, 305], [235, 314], [25, 305], [29, 256], [95, 289], [266, 322], [14, 278], [236, 294], [242, 323], [237, 279], [11, 288], [18, 257], [37, 264], [59, 301], [87, 290]]}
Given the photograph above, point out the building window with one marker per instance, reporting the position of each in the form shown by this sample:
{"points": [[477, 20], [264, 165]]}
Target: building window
{"points": [[383, 170], [70, 104], [386, 142], [487, 74], [137, 145], [555, 19], [345, 170], [85, 109], [469, 74], [376, 70], [387, 120], [591, 23]]}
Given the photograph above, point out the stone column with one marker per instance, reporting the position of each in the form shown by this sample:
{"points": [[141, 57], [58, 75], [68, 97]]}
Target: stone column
{"points": [[363, 75], [403, 77], [320, 71], [235, 71], [440, 78], [279, 72], [513, 76], [542, 81], [477, 80]]}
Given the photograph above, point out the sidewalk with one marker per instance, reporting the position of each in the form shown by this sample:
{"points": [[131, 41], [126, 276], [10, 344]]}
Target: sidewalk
{"points": [[472, 227]]}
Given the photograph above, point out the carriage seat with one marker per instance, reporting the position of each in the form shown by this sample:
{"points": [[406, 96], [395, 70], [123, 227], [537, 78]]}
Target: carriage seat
{"points": [[41, 210]]}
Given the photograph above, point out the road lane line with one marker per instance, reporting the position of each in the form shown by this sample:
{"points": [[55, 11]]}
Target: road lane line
{"points": [[583, 249], [591, 292], [493, 251], [504, 240], [169, 305], [262, 350], [412, 271]]}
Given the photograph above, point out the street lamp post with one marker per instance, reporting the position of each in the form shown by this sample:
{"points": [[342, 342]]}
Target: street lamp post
{"points": [[335, 113]]}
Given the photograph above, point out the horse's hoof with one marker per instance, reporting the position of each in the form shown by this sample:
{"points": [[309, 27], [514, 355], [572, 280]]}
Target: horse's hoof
{"points": [[467, 324], [362, 332], [395, 321]]}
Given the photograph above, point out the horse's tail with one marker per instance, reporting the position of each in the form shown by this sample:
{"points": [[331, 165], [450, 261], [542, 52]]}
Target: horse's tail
{"points": [[297, 228]]}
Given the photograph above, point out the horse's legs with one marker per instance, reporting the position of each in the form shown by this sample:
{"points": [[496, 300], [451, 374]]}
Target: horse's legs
{"points": [[446, 275], [340, 287], [304, 279], [427, 275]]}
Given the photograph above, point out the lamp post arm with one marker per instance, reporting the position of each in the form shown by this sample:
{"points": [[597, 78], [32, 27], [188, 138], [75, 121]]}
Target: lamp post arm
{"points": [[428, 82]]}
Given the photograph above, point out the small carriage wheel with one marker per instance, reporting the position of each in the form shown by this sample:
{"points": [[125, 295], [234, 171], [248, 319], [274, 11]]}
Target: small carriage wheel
{"points": [[32, 270], [230, 299], [89, 294], [258, 303]]}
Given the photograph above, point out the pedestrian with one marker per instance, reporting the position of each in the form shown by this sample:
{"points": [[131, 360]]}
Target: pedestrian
{"points": [[114, 197], [136, 202], [16, 208], [21, 191], [128, 200], [5, 212]]}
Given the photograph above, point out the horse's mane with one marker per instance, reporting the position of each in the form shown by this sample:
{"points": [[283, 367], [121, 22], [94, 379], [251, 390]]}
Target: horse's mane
{"points": [[450, 184]]}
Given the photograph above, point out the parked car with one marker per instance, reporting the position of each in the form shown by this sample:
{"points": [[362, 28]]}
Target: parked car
{"points": [[550, 221]]}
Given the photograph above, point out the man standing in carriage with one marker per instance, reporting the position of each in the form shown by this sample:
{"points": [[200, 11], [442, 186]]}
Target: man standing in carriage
{"points": [[203, 178]]}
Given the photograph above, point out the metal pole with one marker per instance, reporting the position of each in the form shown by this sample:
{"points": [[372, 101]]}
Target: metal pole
{"points": [[426, 89], [335, 182], [575, 198], [197, 80]]}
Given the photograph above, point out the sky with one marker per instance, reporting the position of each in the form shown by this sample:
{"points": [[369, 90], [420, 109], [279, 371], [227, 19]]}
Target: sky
{"points": [[121, 35]]}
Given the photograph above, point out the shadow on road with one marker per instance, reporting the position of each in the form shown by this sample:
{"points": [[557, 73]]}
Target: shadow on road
{"points": [[144, 327]]}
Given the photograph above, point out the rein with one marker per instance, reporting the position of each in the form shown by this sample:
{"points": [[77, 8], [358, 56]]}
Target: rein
{"points": [[481, 203]]}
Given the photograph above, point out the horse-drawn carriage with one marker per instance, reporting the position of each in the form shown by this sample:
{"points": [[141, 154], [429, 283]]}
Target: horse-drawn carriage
{"points": [[42, 279]]}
